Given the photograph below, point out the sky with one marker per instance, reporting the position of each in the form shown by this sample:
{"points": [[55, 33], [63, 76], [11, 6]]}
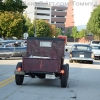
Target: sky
{"points": [[82, 9]]}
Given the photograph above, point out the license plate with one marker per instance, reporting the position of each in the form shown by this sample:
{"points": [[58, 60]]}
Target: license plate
{"points": [[82, 56], [48, 76]]}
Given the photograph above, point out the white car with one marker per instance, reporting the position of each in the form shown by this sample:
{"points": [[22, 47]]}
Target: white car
{"points": [[96, 51]]}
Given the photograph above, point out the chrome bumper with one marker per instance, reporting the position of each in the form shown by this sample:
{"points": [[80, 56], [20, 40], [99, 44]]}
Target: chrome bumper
{"points": [[19, 73], [77, 58], [97, 55]]}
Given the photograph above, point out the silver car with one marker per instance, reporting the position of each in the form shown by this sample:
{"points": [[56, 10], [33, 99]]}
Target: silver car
{"points": [[96, 51]]}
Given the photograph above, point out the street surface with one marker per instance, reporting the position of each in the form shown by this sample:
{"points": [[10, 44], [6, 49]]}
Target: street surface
{"points": [[83, 84]]}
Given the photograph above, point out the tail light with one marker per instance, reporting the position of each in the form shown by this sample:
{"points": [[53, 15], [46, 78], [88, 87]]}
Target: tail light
{"points": [[62, 71], [19, 69]]}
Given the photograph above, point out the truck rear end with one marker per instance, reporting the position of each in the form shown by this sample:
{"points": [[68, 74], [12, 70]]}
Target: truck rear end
{"points": [[44, 59]]}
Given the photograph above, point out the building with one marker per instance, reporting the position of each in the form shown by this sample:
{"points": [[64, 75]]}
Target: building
{"points": [[43, 11], [95, 4], [69, 23], [53, 14], [30, 10], [58, 16]]}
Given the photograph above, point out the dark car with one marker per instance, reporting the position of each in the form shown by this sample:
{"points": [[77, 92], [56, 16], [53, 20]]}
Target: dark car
{"points": [[12, 48], [81, 52]]}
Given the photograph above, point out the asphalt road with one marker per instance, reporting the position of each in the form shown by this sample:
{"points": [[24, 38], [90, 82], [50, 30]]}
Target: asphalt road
{"points": [[83, 84]]}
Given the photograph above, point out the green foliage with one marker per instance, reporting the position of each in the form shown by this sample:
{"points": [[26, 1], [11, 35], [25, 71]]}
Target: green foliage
{"points": [[28, 26], [31, 31], [58, 32], [12, 5], [43, 29], [93, 24], [1, 5], [74, 33], [53, 30], [68, 34], [11, 24], [82, 33]]}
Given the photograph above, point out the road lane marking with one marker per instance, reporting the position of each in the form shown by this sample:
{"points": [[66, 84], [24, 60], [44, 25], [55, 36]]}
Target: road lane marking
{"points": [[7, 81]]}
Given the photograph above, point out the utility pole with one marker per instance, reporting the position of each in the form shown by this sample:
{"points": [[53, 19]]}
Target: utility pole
{"points": [[35, 20]]}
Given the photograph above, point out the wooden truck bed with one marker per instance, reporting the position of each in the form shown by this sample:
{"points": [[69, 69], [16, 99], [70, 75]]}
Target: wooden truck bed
{"points": [[43, 54]]}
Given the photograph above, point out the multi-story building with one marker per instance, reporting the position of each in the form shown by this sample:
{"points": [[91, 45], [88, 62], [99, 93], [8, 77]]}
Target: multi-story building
{"points": [[58, 16], [53, 14], [43, 11]]}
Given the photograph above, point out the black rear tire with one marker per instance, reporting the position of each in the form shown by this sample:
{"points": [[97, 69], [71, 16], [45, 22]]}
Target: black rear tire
{"points": [[67, 65], [64, 76], [19, 79]]}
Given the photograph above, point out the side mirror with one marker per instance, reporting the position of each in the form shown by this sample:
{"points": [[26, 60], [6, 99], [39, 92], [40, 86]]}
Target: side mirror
{"points": [[66, 50]]}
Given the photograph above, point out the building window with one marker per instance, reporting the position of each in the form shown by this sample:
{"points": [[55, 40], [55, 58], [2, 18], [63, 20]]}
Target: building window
{"points": [[62, 28], [61, 16], [40, 8], [60, 10], [52, 22], [52, 16], [43, 14], [60, 22]]}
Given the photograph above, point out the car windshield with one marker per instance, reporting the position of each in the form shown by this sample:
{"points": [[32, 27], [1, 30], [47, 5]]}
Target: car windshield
{"points": [[95, 42], [95, 47], [80, 47]]}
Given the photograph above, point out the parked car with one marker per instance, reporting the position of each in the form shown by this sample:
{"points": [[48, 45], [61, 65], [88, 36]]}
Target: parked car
{"points": [[96, 51], [81, 52], [12, 48], [95, 42]]}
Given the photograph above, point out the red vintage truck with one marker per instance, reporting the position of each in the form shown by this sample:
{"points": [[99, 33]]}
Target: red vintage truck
{"points": [[63, 37], [44, 59]]}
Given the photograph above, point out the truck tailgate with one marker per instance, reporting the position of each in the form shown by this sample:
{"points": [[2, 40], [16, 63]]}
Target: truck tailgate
{"points": [[40, 65]]}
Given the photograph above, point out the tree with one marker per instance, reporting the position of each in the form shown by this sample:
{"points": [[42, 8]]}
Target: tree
{"points": [[58, 32], [74, 33], [68, 34], [13, 5], [26, 24], [82, 33], [1, 5], [11, 24], [53, 28], [43, 29], [93, 25]]}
